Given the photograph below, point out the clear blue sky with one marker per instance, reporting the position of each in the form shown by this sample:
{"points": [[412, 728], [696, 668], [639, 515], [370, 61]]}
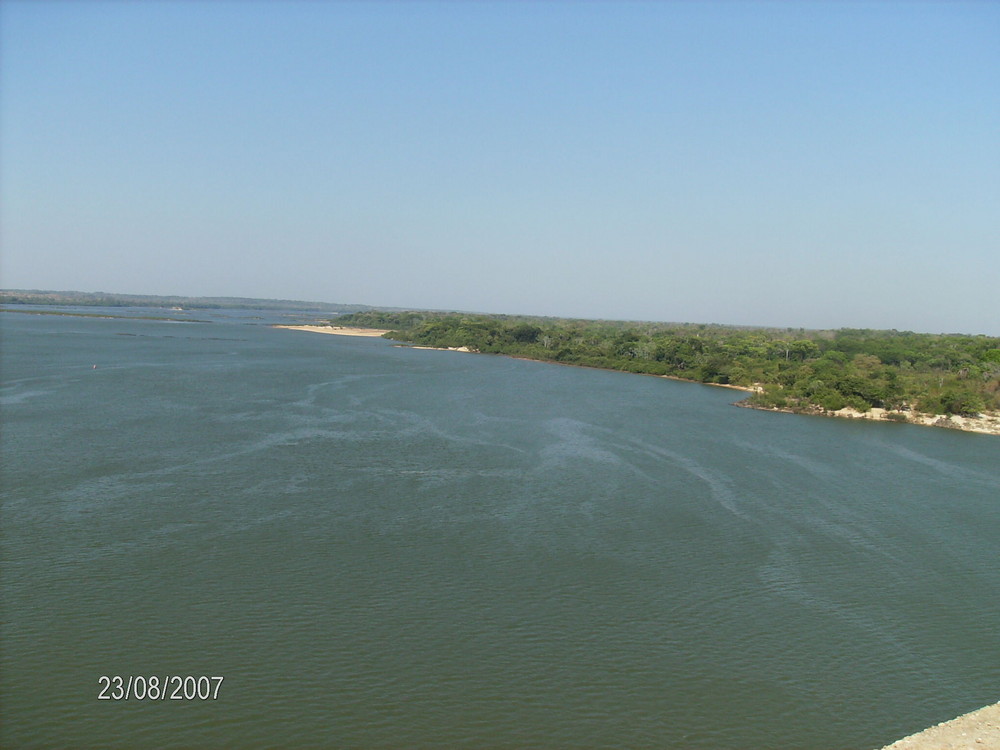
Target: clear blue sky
{"points": [[771, 163]]}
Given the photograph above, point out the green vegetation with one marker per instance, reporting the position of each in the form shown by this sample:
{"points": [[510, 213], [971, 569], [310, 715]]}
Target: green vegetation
{"points": [[793, 369]]}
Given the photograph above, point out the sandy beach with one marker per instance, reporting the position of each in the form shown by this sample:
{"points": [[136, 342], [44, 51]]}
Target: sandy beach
{"points": [[442, 348], [338, 330]]}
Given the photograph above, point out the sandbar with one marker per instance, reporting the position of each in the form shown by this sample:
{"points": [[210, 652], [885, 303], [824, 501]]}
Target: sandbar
{"points": [[445, 348], [338, 330]]}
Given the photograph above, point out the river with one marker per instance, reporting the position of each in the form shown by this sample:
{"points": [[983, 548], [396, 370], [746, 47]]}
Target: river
{"points": [[382, 547]]}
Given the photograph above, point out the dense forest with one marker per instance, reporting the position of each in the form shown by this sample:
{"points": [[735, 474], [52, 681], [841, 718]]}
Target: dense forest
{"points": [[795, 369]]}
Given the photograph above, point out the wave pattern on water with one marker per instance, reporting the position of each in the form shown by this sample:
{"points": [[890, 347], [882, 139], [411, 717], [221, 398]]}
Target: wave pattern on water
{"points": [[381, 547]]}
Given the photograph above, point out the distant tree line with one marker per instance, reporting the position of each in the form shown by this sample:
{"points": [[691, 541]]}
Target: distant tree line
{"points": [[795, 369]]}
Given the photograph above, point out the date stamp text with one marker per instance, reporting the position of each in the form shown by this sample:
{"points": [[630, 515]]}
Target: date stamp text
{"points": [[157, 688]]}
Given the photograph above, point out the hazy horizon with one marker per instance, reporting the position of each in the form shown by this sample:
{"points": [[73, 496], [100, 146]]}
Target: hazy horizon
{"points": [[814, 165], [363, 304]]}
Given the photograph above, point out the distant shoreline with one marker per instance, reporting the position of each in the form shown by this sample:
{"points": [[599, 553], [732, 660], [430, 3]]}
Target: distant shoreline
{"points": [[338, 330], [101, 316], [985, 424]]}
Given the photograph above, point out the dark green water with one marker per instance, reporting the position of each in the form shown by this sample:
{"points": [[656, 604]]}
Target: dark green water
{"points": [[381, 547]]}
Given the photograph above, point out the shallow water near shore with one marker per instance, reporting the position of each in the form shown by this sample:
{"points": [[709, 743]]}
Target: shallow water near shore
{"points": [[382, 547]]}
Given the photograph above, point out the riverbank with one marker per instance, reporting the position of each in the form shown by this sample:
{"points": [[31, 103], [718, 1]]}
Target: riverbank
{"points": [[977, 730], [744, 388], [338, 330], [987, 424]]}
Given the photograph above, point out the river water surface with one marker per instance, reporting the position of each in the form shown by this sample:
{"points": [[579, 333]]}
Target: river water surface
{"points": [[382, 547]]}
